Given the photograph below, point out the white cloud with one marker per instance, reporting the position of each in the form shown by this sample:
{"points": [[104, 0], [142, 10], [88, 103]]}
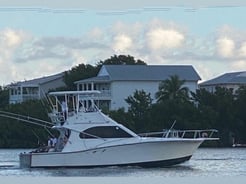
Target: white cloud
{"points": [[225, 47], [160, 38], [11, 38], [10, 41], [96, 34], [122, 43], [242, 50], [230, 43], [239, 65], [154, 41]]}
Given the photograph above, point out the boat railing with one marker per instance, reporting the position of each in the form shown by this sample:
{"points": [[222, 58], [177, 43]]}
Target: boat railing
{"points": [[188, 134], [57, 117]]}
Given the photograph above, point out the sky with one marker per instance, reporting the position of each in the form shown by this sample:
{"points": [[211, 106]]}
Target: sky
{"points": [[41, 38]]}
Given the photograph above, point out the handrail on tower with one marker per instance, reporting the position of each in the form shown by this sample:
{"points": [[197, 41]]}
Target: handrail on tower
{"points": [[68, 103]]}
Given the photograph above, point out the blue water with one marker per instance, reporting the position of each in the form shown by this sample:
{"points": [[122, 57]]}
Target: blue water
{"points": [[205, 162]]}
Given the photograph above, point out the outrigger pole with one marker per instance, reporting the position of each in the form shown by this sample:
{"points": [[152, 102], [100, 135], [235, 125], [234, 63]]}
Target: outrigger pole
{"points": [[27, 119]]}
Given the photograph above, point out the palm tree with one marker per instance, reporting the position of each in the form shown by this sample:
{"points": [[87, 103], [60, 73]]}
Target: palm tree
{"points": [[172, 89]]}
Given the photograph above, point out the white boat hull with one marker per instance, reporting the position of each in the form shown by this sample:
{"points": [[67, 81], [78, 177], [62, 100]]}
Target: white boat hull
{"points": [[161, 152]]}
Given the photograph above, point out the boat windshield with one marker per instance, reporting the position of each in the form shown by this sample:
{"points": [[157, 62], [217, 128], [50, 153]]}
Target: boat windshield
{"points": [[104, 132], [62, 139]]}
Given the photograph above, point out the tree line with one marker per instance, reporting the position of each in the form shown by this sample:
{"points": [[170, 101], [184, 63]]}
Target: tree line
{"points": [[223, 109]]}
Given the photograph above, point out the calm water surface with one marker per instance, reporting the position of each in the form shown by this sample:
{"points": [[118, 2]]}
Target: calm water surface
{"points": [[205, 162]]}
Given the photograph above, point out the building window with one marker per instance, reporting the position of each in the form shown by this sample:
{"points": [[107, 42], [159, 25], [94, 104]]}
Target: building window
{"points": [[12, 92], [95, 87], [18, 91], [89, 86], [80, 87]]}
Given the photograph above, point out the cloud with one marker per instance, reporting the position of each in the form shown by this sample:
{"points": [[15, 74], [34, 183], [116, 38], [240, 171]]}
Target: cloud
{"points": [[230, 44], [10, 41], [238, 65], [160, 39], [54, 47], [95, 34], [125, 37], [242, 50], [154, 41], [11, 38], [225, 47], [31, 54], [122, 43]]}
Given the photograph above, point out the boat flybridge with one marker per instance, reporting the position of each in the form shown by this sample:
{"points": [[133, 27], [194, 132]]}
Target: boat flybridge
{"points": [[89, 138]]}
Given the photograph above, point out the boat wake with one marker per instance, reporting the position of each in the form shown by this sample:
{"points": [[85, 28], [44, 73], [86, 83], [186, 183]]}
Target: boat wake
{"points": [[7, 166], [219, 159], [214, 159]]}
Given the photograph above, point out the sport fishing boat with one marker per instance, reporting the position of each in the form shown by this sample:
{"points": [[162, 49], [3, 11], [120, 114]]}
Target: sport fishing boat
{"points": [[89, 138]]}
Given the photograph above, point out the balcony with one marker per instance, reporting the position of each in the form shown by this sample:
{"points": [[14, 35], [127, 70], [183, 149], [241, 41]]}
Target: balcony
{"points": [[104, 95], [30, 97], [22, 98]]}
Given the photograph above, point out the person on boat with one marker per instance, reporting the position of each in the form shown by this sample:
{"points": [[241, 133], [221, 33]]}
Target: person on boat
{"points": [[64, 109], [50, 142], [42, 148], [65, 139], [59, 144], [54, 141]]}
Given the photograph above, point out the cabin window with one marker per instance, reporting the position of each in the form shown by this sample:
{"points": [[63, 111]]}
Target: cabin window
{"points": [[104, 132]]}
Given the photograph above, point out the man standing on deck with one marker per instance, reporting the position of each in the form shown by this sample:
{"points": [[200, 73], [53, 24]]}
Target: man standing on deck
{"points": [[64, 109]]}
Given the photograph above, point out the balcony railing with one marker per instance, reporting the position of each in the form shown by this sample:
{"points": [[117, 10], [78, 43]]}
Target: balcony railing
{"points": [[207, 134], [30, 97], [24, 97], [104, 95]]}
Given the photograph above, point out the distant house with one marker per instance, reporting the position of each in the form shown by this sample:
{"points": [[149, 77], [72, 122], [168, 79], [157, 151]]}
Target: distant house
{"points": [[228, 80], [34, 89], [117, 82]]}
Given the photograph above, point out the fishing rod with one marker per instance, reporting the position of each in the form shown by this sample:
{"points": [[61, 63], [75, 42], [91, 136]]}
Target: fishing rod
{"points": [[27, 119]]}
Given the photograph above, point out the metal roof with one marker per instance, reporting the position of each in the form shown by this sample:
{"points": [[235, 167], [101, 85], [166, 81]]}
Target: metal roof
{"points": [[38, 81], [144, 73], [96, 79], [227, 78]]}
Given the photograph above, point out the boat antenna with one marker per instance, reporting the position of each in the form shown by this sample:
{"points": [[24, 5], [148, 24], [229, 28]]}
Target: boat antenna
{"points": [[173, 124], [168, 132]]}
